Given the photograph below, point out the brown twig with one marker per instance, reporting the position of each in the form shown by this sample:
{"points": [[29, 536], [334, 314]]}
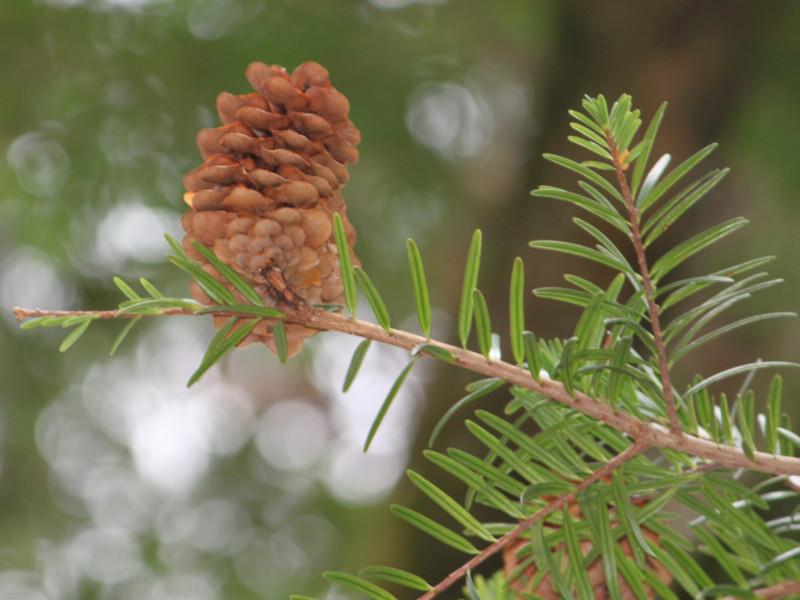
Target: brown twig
{"points": [[652, 307], [650, 434], [524, 524], [32, 313], [774, 592]]}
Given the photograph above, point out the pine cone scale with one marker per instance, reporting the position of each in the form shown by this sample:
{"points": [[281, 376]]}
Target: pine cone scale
{"points": [[264, 198]]}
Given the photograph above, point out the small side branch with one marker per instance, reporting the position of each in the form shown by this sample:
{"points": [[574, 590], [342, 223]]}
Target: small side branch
{"points": [[557, 504], [653, 308], [31, 313]]}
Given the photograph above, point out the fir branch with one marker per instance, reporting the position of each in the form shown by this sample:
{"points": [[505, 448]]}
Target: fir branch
{"points": [[652, 307], [524, 524], [651, 434]]}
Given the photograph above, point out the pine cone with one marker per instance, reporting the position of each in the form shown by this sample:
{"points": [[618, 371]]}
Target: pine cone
{"points": [[263, 200], [545, 588]]}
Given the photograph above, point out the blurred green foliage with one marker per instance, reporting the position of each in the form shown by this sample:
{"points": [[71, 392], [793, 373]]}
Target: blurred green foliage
{"points": [[116, 482]]}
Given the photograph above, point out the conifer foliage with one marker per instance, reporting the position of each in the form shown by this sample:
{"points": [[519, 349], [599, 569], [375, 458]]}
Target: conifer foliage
{"points": [[598, 448]]}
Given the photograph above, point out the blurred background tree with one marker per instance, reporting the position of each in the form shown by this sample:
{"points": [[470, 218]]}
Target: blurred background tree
{"points": [[117, 482]]}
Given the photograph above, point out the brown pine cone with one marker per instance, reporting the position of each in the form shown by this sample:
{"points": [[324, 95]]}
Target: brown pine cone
{"points": [[545, 588], [263, 200]]}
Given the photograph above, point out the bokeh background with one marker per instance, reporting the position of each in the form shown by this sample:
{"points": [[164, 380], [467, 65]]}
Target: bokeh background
{"points": [[118, 482]]}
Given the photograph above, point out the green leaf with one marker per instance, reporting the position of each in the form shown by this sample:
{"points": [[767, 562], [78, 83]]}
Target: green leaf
{"points": [[605, 539], [499, 479], [123, 334], [355, 364], [218, 293], [694, 572], [281, 344], [747, 368], [652, 179], [450, 506], [786, 426], [565, 371], [126, 289], [556, 487], [630, 524], [75, 334], [619, 112], [590, 330], [397, 576], [586, 120], [662, 219], [532, 356], [221, 343], [620, 360], [360, 585], [388, 402], [705, 412], [176, 246], [597, 109], [790, 435], [692, 246], [516, 310], [483, 325], [489, 386], [545, 561], [528, 470], [244, 309], [420, 288], [734, 293], [474, 481], [575, 554], [735, 290], [676, 570], [231, 276], [773, 414], [715, 548], [780, 559], [374, 299], [155, 304], [590, 146], [684, 346], [37, 322], [473, 592], [345, 264], [601, 209], [583, 252], [645, 146], [433, 529], [589, 134], [435, 351], [729, 591], [632, 573], [690, 285], [676, 175], [150, 288], [605, 242], [661, 589], [470, 282], [531, 445], [585, 172], [725, 415]]}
